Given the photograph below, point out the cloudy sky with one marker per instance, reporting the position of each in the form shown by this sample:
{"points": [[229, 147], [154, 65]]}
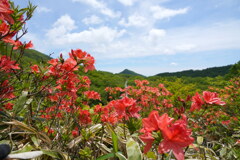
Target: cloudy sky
{"points": [[146, 36]]}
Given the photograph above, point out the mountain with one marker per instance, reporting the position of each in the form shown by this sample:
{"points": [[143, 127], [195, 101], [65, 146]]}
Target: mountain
{"points": [[129, 72], [209, 72], [29, 56], [36, 55]]}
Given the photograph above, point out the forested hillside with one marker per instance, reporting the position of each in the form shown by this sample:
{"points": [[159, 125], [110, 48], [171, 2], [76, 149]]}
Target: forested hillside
{"points": [[209, 72], [129, 72]]}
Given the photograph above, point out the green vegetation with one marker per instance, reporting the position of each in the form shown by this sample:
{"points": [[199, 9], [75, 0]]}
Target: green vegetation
{"points": [[36, 55], [209, 72], [234, 71], [129, 72]]}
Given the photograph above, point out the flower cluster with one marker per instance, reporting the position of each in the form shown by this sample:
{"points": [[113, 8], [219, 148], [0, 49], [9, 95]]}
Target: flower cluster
{"points": [[174, 135], [207, 98]]}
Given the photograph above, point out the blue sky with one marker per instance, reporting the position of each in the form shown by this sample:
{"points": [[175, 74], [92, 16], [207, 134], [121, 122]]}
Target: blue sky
{"points": [[146, 36]]}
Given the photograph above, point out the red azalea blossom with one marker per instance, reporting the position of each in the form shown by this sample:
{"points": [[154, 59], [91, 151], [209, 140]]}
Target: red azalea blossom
{"points": [[141, 83], [148, 139], [126, 108], [7, 65], [197, 102], [176, 136], [5, 12], [28, 45], [35, 69], [84, 117], [6, 90], [17, 44], [226, 122], [109, 115], [82, 56], [151, 123], [92, 95], [212, 98], [75, 132], [8, 106], [4, 29]]}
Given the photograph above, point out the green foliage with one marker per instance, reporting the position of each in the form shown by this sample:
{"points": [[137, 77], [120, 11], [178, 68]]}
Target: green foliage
{"points": [[234, 71], [209, 72], [129, 72], [133, 150]]}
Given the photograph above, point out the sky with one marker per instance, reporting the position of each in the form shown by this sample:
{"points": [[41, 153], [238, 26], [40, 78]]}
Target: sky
{"points": [[145, 36]]}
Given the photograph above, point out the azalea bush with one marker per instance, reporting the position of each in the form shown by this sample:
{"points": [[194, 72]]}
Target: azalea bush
{"points": [[48, 110]]}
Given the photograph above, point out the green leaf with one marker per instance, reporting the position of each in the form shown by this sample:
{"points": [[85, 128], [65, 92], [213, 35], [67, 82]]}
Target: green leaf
{"points": [[52, 154], [223, 152], [114, 139], [35, 140], [151, 155], [120, 156], [20, 103], [106, 156], [26, 148], [133, 150]]}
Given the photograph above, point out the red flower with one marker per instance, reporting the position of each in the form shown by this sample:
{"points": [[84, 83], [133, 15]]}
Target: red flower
{"points": [[8, 106], [141, 83], [75, 132], [5, 11], [6, 90], [86, 59], [28, 45], [84, 117], [7, 65], [151, 123], [92, 95], [212, 98], [109, 114], [126, 108], [176, 136], [148, 139], [197, 102], [4, 28], [35, 69], [226, 122]]}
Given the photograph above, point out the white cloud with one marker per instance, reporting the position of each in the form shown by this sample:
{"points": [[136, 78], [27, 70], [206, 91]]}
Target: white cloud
{"points": [[133, 20], [127, 2], [161, 12], [173, 64], [62, 34], [62, 26], [155, 34], [41, 9], [107, 42], [101, 6], [92, 20], [177, 40], [100, 35]]}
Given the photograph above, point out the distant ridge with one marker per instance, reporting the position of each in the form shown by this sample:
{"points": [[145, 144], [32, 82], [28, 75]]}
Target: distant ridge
{"points": [[209, 72], [129, 72], [36, 55]]}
